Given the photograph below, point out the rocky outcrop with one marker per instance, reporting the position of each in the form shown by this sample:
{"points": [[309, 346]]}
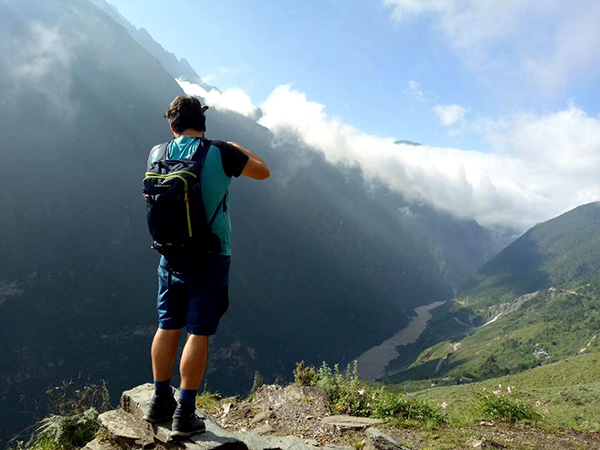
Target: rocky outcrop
{"points": [[125, 428], [378, 440]]}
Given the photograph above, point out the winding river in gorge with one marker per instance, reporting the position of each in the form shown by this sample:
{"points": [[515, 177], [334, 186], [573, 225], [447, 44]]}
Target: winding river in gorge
{"points": [[372, 363]]}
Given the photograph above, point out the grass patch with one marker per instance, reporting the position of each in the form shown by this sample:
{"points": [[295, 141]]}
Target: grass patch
{"points": [[208, 401], [349, 395], [503, 404], [567, 394]]}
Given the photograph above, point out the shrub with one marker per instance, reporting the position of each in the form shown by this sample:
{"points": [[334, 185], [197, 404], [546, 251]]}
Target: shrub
{"points": [[501, 404], [345, 392], [66, 432], [305, 376], [387, 405], [348, 395], [73, 421]]}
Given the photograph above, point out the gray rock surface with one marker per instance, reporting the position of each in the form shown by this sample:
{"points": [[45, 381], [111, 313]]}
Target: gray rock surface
{"points": [[127, 429], [347, 422], [98, 444], [257, 442], [378, 440]]}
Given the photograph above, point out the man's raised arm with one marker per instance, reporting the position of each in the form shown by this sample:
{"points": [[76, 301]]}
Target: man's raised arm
{"points": [[255, 167]]}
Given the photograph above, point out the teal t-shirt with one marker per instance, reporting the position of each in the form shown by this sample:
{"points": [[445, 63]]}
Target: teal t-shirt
{"points": [[223, 161]]}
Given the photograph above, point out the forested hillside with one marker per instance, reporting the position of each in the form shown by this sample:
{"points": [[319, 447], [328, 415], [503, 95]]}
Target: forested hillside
{"points": [[534, 303], [551, 253]]}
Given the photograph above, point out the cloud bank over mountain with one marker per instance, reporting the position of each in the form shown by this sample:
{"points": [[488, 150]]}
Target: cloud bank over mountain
{"points": [[233, 99], [539, 165]]}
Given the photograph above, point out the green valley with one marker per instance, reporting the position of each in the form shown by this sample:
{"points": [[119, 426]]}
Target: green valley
{"points": [[535, 303]]}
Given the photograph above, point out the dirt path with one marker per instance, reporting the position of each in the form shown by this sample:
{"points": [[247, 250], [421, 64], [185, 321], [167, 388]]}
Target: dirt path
{"points": [[371, 364]]}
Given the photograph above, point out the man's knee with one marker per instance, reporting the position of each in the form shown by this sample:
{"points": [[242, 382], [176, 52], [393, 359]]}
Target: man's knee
{"points": [[197, 339], [167, 336]]}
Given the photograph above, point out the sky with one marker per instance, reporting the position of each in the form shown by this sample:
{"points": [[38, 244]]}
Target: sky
{"points": [[503, 94]]}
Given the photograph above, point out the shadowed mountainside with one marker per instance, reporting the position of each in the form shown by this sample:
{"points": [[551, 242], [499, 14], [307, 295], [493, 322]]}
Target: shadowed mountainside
{"points": [[326, 264]]}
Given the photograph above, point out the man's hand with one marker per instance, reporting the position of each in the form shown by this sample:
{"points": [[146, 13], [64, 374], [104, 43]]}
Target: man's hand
{"points": [[255, 167]]}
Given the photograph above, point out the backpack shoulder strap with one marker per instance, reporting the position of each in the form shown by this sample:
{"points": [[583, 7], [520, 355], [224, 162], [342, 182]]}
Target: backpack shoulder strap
{"points": [[157, 153], [199, 155], [222, 203]]}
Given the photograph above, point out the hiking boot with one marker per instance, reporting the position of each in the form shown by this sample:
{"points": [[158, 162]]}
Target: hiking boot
{"points": [[162, 407], [186, 422]]}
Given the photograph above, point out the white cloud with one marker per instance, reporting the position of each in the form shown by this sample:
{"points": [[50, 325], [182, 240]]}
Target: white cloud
{"points": [[541, 165], [449, 114], [414, 88], [576, 48], [233, 99], [403, 9], [548, 41]]}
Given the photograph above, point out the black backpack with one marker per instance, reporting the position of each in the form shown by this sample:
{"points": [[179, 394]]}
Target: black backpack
{"points": [[176, 214]]}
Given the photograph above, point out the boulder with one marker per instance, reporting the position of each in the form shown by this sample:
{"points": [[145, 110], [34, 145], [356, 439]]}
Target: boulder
{"points": [[350, 422], [378, 440]]}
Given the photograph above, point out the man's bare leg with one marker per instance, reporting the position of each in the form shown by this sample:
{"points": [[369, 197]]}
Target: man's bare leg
{"points": [[164, 353], [193, 361]]}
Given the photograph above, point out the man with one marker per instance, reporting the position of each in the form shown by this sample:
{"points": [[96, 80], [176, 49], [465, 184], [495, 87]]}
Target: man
{"points": [[194, 293]]}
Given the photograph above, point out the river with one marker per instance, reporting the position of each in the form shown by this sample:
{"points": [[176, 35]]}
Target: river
{"points": [[371, 364]]}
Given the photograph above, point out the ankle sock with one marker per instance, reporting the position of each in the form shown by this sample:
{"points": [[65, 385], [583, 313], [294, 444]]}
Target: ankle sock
{"points": [[162, 387], [188, 396]]}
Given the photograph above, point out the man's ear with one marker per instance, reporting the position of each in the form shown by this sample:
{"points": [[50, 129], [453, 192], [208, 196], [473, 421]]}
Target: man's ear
{"points": [[204, 108]]}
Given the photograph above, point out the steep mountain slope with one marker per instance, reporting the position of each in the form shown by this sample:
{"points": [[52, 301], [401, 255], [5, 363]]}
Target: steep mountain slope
{"points": [[177, 68], [536, 302], [551, 253], [323, 268]]}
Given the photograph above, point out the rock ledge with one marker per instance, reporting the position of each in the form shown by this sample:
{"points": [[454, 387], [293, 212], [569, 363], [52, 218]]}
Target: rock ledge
{"points": [[127, 429]]}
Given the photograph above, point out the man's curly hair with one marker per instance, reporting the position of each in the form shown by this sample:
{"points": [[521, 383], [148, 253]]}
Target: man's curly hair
{"points": [[186, 112]]}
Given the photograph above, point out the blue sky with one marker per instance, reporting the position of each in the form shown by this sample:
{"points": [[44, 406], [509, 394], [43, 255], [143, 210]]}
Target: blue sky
{"points": [[349, 55], [470, 75]]}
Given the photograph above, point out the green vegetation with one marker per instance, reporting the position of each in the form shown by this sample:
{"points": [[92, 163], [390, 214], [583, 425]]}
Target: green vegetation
{"points": [[65, 432], [551, 326], [552, 253], [305, 376], [349, 395], [74, 418], [567, 393], [209, 401], [503, 404]]}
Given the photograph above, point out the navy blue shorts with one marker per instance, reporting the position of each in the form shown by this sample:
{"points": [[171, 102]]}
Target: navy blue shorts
{"points": [[193, 295]]}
